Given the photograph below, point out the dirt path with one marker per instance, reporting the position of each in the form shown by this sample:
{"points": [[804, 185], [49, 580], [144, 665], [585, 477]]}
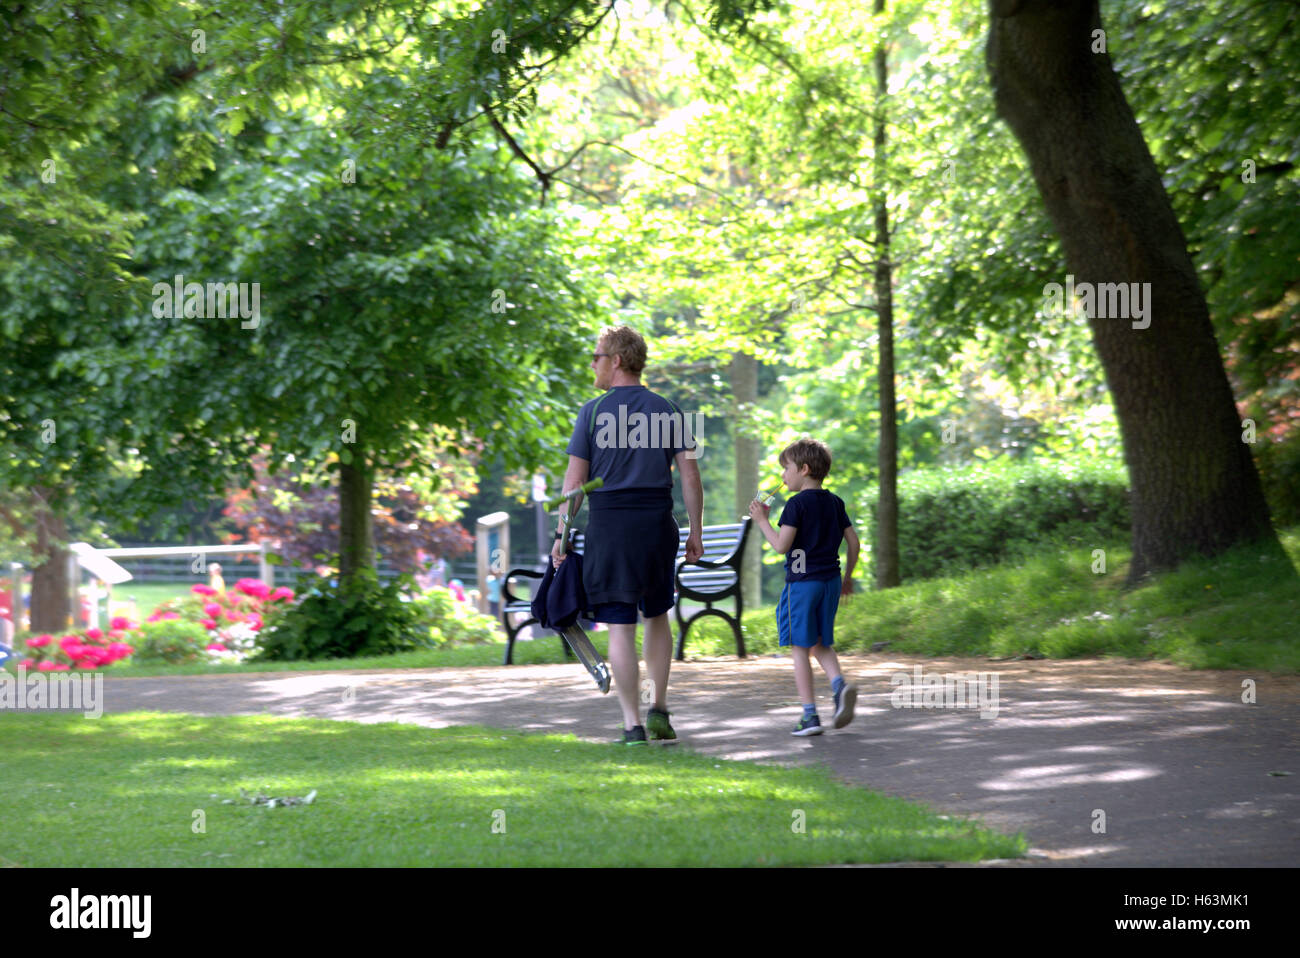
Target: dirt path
{"points": [[1177, 763]]}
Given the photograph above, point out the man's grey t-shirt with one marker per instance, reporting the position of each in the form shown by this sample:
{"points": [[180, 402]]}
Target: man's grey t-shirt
{"points": [[630, 436]]}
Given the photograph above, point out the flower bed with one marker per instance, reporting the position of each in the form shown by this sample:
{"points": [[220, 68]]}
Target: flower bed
{"points": [[231, 618]]}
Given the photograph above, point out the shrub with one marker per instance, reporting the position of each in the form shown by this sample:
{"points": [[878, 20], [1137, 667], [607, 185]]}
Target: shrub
{"points": [[956, 519], [231, 618], [453, 622], [176, 641], [340, 621]]}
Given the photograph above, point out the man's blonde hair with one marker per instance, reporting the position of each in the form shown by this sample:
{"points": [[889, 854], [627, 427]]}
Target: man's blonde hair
{"points": [[813, 453], [625, 343]]}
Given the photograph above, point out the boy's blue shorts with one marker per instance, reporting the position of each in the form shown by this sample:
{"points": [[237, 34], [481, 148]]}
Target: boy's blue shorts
{"points": [[805, 614]]}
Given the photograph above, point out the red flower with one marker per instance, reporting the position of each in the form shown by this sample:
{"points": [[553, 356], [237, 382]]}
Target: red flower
{"points": [[121, 622], [282, 593], [217, 647], [203, 589], [212, 609], [26, 663], [39, 641], [94, 634], [208, 624]]}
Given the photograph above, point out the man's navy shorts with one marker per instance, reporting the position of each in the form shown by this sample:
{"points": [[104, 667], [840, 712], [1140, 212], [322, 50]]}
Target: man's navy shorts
{"points": [[624, 613], [805, 614]]}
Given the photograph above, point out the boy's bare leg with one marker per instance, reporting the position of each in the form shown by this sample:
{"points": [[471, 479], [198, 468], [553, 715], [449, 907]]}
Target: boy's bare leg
{"points": [[803, 678], [828, 660], [657, 646], [627, 672]]}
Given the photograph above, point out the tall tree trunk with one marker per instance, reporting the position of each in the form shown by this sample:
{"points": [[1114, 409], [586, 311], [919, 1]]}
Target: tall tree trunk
{"points": [[748, 450], [885, 551], [356, 526], [52, 609], [1194, 486]]}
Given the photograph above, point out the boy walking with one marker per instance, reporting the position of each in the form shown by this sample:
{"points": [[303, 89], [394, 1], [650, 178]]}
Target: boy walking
{"points": [[813, 524]]}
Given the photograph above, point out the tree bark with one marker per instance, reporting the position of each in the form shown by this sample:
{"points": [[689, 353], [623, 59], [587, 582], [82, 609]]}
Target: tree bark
{"points": [[51, 609], [1194, 486], [744, 389], [885, 552], [356, 526]]}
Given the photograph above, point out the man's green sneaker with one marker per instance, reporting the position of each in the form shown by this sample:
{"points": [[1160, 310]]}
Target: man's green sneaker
{"points": [[633, 736], [657, 727]]}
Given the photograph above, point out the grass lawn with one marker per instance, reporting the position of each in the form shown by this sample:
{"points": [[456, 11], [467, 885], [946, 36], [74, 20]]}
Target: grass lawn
{"points": [[131, 790]]}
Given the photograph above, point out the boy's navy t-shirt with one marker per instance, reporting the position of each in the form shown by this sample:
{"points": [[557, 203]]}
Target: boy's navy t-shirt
{"points": [[630, 436], [820, 520]]}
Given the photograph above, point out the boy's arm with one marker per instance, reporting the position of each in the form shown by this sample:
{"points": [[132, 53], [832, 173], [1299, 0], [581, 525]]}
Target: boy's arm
{"points": [[779, 541], [851, 537]]}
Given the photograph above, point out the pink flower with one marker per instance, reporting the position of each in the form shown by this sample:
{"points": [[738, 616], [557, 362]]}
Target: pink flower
{"points": [[88, 664], [154, 618], [217, 647], [59, 668], [75, 650], [171, 615], [119, 650], [254, 621], [69, 641], [121, 622], [282, 593], [212, 610], [94, 634], [233, 616], [26, 663], [208, 624], [88, 654], [203, 589], [254, 587], [39, 641], [47, 667]]}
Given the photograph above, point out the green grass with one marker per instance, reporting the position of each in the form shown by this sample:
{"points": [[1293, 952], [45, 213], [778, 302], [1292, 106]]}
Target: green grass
{"points": [[1235, 611], [124, 791]]}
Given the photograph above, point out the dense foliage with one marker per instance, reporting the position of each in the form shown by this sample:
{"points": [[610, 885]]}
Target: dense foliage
{"points": [[956, 519]]}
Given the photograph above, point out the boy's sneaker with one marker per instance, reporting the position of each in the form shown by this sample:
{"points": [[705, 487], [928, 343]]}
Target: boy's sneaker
{"points": [[634, 736], [657, 727], [808, 725], [844, 705]]}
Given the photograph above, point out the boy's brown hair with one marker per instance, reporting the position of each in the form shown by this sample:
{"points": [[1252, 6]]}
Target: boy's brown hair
{"points": [[626, 343], [813, 453]]}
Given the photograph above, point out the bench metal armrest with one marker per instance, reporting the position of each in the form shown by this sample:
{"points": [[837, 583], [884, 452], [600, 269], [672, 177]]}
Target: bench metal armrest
{"points": [[505, 585]]}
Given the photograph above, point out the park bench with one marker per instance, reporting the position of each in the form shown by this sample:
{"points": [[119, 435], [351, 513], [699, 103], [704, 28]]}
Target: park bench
{"points": [[712, 579]]}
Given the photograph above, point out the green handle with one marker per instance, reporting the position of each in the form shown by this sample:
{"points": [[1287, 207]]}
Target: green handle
{"points": [[581, 490]]}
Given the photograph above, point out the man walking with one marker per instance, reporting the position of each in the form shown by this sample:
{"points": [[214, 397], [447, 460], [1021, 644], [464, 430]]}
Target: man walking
{"points": [[631, 437]]}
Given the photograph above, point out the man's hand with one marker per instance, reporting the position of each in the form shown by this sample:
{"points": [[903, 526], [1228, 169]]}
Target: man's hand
{"points": [[694, 546], [757, 510], [558, 554], [846, 587]]}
